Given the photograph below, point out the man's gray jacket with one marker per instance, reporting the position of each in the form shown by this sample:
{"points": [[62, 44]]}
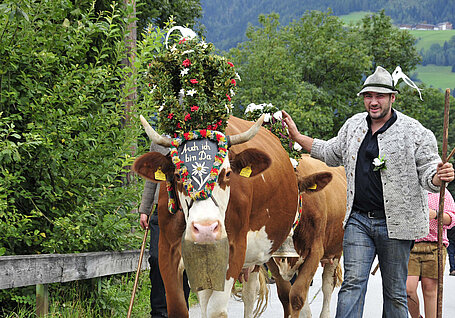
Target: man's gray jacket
{"points": [[411, 154]]}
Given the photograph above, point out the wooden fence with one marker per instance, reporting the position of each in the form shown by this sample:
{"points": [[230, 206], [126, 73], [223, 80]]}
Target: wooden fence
{"points": [[43, 269]]}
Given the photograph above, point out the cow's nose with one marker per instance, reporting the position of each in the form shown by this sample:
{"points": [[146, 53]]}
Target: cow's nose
{"points": [[207, 232]]}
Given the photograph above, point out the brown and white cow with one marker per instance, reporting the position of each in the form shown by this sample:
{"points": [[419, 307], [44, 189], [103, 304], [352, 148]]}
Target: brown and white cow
{"points": [[318, 238], [254, 213]]}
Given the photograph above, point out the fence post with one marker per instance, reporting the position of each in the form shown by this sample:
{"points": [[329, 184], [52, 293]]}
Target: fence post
{"points": [[42, 300]]}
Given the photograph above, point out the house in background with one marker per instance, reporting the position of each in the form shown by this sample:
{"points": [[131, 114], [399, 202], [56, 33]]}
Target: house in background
{"points": [[445, 26]]}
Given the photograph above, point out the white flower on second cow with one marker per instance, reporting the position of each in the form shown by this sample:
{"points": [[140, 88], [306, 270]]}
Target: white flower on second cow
{"points": [[184, 71], [278, 115], [294, 162], [297, 146], [252, 107]]}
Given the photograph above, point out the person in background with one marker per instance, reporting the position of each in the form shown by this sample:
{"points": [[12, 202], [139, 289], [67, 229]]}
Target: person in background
{"points": [[148, 204], [391, 161], [451, 250], [423, 261]]}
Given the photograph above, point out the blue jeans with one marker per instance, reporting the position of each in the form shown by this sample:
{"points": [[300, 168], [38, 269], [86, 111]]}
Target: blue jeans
{"points": [[364, 238], [451, 253]]}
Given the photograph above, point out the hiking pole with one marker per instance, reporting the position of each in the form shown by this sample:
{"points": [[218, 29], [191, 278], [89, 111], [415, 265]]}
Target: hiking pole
{"points": [[130, 309], [441, 205]]}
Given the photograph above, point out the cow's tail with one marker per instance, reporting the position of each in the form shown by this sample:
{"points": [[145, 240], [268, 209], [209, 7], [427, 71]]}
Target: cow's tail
{"points": [[338, 275], [263, 293]]}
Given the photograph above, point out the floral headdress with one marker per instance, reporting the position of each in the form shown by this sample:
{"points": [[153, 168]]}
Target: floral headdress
{"points": [[191, 87], [273, 122]]}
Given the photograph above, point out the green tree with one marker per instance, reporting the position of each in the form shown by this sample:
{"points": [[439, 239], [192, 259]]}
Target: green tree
{"points": [[388, 46]]}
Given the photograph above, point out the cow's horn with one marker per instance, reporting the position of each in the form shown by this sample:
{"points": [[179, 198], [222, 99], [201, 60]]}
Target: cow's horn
{"points": [[247, 135], [153, 135]]}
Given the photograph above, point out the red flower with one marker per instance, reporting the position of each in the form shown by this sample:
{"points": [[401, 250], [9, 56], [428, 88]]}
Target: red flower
{"points": [[170, 115], [220, 122], [186, 135], [194, 108], [182, 40], [230, 64], [187, 117], [175, 134], [193, 81], [203, 133], [186, 63], [218, 137], [233, 82], [228, 97], [215, 126], [209, 127], [178, 126]]}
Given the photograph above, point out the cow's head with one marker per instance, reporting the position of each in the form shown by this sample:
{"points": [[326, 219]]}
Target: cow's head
{"points": [[199, 173]]}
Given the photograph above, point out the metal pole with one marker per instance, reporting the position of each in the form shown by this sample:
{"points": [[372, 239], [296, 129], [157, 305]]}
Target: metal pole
{"points": [[441, 206]]}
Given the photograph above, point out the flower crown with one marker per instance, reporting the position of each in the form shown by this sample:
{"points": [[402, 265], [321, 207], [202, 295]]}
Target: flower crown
{"points": [[273, 122], [191, 87]]}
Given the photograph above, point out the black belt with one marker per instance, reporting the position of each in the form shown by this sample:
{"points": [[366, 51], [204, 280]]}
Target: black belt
{"points": [[374, 214]]}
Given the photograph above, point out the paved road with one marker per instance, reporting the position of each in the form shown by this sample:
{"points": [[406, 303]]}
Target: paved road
{"points": [[373, 302]]}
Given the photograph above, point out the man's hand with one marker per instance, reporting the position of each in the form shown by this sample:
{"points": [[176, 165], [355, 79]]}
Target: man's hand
{"points": [[143, 221], [444, 172], [292, 128]]}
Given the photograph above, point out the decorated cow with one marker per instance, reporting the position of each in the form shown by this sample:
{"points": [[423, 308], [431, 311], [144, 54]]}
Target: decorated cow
{"points": [[229, 194], [317, 238]]}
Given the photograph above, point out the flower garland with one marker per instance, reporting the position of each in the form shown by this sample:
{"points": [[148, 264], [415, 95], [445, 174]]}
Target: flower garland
{"points": [[273, 122], [183, 170], [191, 88]]}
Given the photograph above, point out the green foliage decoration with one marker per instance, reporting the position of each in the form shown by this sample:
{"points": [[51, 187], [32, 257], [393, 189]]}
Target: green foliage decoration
{"points": [[191, 87]]}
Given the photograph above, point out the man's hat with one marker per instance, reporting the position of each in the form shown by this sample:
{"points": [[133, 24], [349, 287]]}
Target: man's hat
{"points": [[380, 82]]}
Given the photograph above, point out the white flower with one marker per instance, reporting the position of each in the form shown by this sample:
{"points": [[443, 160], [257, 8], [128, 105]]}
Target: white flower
{"points": [[379, 163], [252, 107], [203, 44], [173, 48], [297, 146], [294, 162], [228, 108], [232, 92], [267, 117], [278, 115], [199, 169], [191, 92], [237, 76], [182, 93], [187, 52], [161, 108], [184, 71]]}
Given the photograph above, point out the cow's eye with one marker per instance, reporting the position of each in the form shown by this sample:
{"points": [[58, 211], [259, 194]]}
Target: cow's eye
{"points": [[177, 177], [228, 173]]}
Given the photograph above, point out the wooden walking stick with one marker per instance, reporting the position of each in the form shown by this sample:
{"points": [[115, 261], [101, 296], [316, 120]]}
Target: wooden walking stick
{"points": [[130, 309], [441, 206]]}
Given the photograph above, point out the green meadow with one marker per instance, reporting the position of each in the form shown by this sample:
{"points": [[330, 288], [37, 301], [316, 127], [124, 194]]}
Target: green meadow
{"points": [[437, 76], [434, 76]]}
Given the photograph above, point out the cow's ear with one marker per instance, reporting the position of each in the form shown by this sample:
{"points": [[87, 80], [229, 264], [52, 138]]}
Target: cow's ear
{"points": [[253, 159], [314, 182], [154, 166]]}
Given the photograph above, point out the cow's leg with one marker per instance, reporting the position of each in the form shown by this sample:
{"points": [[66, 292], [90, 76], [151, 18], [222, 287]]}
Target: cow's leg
{"points": [[204, 296], [328, 284], [299, 291], [249, 293], [283, 287], [306, 311], [218, 301]]}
